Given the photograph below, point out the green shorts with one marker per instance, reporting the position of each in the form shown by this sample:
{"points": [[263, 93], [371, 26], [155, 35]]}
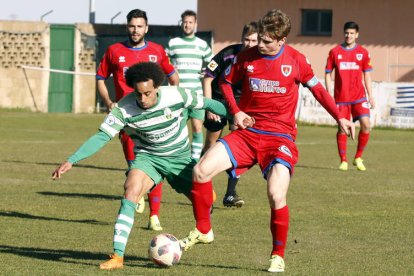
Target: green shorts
{"points": [[197, 114], [177, 170]]}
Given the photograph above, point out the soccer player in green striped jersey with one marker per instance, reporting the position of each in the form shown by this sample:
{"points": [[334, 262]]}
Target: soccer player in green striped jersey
{"points": [[154, 117], [189, 55]]}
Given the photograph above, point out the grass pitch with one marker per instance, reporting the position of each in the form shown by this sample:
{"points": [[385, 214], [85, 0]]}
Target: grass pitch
{"points": [[342, 223]]}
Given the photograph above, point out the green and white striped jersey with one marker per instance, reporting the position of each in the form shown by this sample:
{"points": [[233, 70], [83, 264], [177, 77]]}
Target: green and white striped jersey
{"points": [[160, 130], [188, 55]]}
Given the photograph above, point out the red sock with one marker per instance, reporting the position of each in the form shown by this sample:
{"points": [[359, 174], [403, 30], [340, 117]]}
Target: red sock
{"points": [[154, 200], [341, 141], [202, 194], [363, 138], [127, 146], [279, 226]]}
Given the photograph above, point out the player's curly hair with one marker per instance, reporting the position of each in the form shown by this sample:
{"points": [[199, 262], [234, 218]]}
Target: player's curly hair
{"points": [[275, 23], [145, 71]]}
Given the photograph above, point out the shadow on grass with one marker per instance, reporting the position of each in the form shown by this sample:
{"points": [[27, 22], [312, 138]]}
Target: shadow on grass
{"points": [[28, 216], [90, 196], [57, 164], [314, 167], [66, 256]]}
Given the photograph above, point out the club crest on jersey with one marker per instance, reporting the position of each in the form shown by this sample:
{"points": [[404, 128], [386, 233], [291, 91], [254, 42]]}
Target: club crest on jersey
{"points": [[110, 119], [152, 58], [250, 68], [285, 150], [168, 113], [286, 70], [359, 56], [121, 59], [212, 65], [339, 56]]}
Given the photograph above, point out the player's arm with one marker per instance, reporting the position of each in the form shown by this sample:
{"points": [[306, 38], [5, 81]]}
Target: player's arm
{"points": [[207, 92], [327, 102], [328, 82], [87, 149], [328, 72], [368, 88], [174, 79], [215, 107], [103, 92]]}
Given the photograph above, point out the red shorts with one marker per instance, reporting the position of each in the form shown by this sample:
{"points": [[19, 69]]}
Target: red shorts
{"points": [[248, 147], [357, 110]]}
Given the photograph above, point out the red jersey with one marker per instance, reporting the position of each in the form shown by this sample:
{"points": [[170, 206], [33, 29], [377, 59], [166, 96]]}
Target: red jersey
{"points": [[270, 87], [349, 64], [119, 57]]}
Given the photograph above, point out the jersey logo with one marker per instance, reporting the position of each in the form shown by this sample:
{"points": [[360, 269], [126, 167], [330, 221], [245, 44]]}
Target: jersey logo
{"points": [[212, 65], [228, 69], [250, 68], [266, 86], [152, 58], [359, 56], [121, 59], [110, 119], [339, 56], [286, 70], [168, 113], [343, 65], [285, 150]]}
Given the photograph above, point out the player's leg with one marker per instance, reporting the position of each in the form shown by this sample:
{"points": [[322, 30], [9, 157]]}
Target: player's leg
{"points": [[215, 160], [362, 114], [277, 187], [136, 185], [342, 138], [197, 141]]}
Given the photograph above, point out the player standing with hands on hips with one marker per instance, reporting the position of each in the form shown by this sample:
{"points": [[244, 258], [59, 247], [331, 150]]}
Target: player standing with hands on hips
{"points": [[117, 59], [352, 65], [270, 75]]}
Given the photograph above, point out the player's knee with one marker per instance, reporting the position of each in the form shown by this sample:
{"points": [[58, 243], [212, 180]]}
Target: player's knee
{"points": [[277, 200], [199, 174]]}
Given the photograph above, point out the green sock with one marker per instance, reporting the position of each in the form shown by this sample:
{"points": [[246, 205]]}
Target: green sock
{"points": [[196, 145], [123, 226]]}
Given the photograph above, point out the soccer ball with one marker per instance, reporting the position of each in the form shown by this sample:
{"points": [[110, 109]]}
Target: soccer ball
{"points": [[165, 250]]}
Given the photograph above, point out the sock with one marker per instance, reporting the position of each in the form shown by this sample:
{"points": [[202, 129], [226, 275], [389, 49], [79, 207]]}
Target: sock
{"points": [[154, 200], [196, 145], [231, 185], [363, 138], [279, 226], [127, 146], [123, 225], [202, 195], [341, 140]]}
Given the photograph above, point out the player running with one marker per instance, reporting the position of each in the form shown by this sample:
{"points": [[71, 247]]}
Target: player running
{"points": [[270, 75], [117, 59], [154, 117]]}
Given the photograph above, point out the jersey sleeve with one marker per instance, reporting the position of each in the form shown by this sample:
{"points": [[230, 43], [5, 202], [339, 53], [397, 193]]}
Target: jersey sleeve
{"points": [[306, 73], [208, 54], [165, 63], [113, 122], [104, 69], [366, 65], [213, 69], [330, 62], [192, 100]]}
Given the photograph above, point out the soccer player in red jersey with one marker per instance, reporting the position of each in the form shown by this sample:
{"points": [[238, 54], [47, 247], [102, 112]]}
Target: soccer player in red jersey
{"points": [[352, 65], [270, 73], [117, 59]]}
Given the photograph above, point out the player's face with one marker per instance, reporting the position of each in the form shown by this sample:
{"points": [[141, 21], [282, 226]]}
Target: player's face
{"points": [[189, 25], [146, 94], [269, 46], [137, 28], [249, 41], [350, 36]]}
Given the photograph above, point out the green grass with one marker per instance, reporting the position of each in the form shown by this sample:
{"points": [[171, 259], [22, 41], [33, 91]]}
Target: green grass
{"points": [[342, 223]]}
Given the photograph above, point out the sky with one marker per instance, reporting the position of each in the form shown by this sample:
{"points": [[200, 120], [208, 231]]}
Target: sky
{"points": [[77, 11]]}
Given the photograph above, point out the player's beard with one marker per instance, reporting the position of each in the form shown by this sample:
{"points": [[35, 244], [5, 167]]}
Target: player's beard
{"points": [[135, 41]]}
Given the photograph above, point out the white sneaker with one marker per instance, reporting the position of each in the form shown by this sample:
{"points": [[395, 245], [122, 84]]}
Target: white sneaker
{"points": [[195, 237], [276, 264], [154, 223]]}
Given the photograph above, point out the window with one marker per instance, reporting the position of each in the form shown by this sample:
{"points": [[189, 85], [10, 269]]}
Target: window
{"points": [[317, 22]]}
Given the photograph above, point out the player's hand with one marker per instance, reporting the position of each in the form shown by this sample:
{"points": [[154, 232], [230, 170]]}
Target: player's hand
{"points": [[64, 167], [372, 102], [111, 106], [213, 117], [347, 127], [242, 120]]}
